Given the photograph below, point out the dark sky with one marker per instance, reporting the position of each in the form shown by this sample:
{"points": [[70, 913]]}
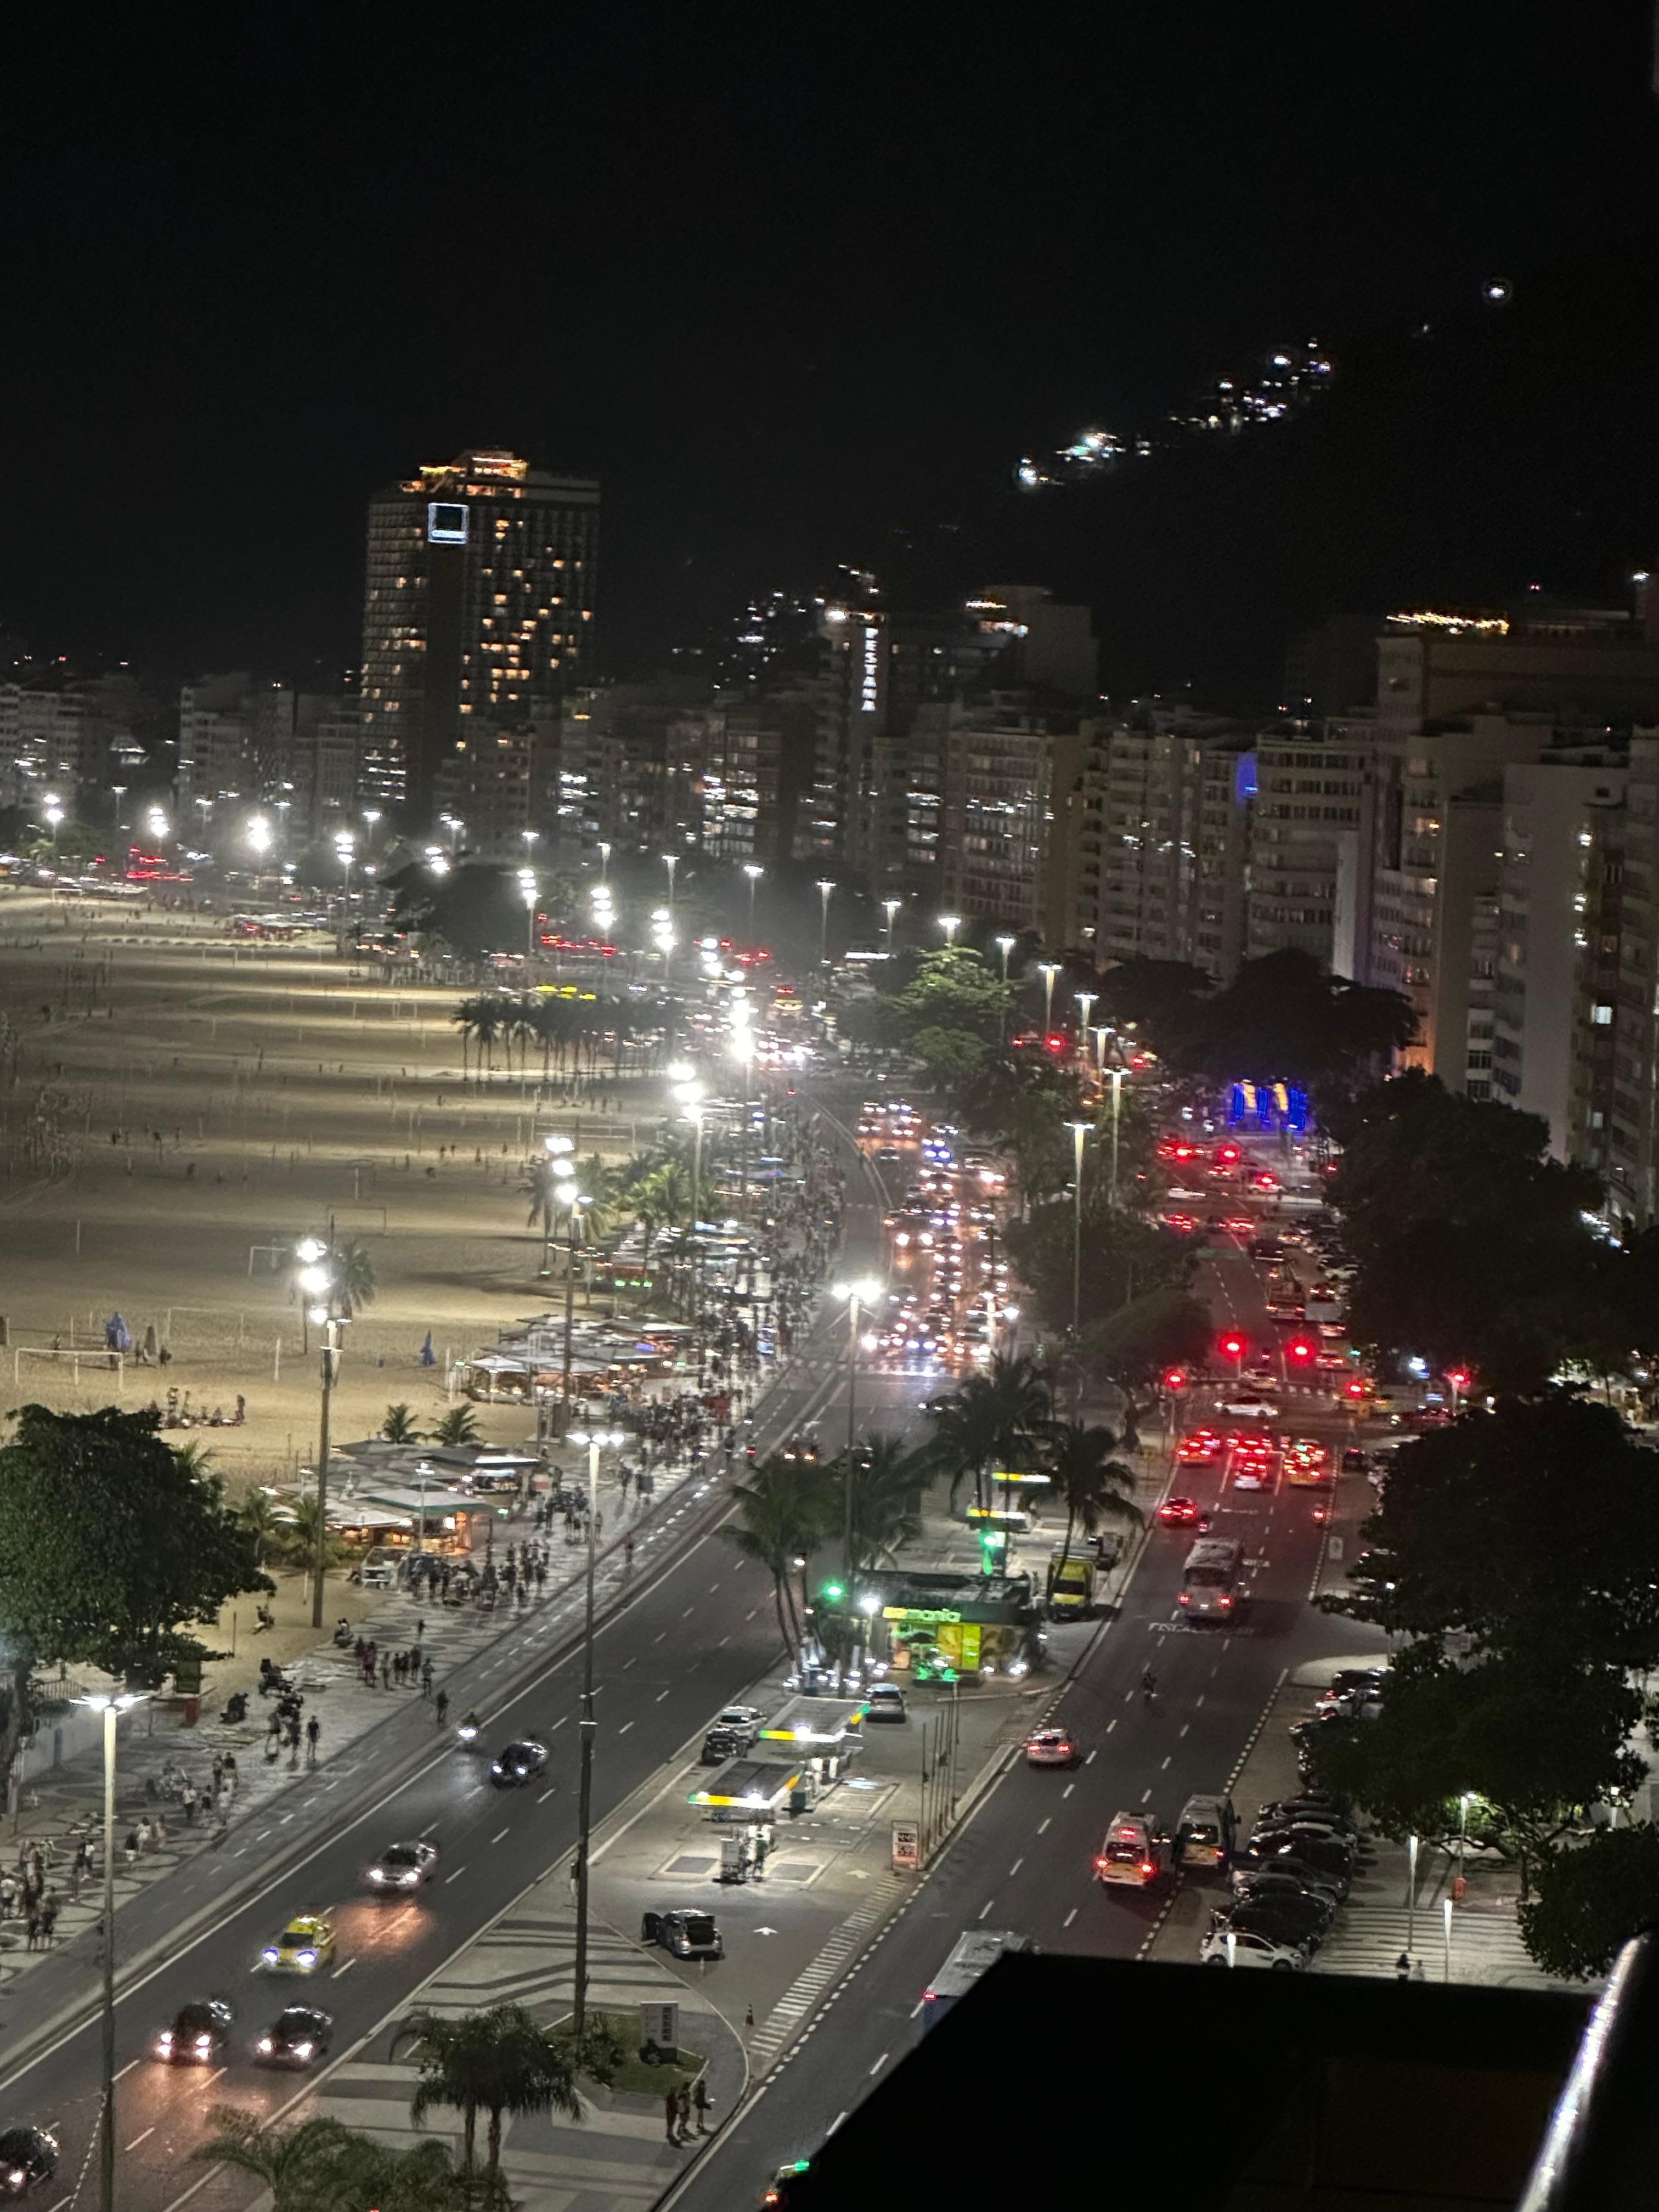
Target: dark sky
{"points": [[786, 278]]}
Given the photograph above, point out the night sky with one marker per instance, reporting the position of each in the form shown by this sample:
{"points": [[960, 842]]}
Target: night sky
{"points": [[802, 286]]}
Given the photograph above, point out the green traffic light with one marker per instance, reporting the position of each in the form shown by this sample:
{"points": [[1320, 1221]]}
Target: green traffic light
{"points": [[833, 1590]]}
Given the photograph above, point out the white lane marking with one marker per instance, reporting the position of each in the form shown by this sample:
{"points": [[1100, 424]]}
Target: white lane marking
{"points": [[1145, 1795], [126, 2069], [1167, 1758], [880, 2063], [661, 1695], [545, 1795], [1016, 1865], [750, 1616], [986, 1907], [623, 1729], [1199, 1699], [560, 1723], [1044, 1828], [1067, 1790], [687, 1614], [834, 2124], [456, 1876], [137, 2140], [721, 1645], [914, 2009], [658, 1639], [496, 1838], [1070, 1918], [344, 1968], [1093, 1755], [1185, 1725], [627, 1663]]}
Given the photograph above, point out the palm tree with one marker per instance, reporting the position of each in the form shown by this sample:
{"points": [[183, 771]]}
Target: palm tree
{"points": [[293, 2163], [355, 1282], [781, 1512], [258, 1515], [996, 1419], [494, 2061], [459, 1425], [194, 1460], [299, 1534], [398, 1426], [1088, 1482], [888, 1480]]}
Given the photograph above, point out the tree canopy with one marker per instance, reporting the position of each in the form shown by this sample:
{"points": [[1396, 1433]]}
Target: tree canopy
{"points": [[1136, 1345], [1590, 1897], [109, 1547]]}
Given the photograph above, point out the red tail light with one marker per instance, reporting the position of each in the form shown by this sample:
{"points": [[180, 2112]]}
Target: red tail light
{"points": [[1146, 1867], [1185, 1599], [1225, 1600]]}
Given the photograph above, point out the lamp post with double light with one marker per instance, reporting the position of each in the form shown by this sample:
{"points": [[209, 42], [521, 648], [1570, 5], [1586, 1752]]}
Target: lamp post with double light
{"points": [[319, 1281], [890, 908], [596, 1441], [950, 923], [112, 1703], [1079, 1133]]}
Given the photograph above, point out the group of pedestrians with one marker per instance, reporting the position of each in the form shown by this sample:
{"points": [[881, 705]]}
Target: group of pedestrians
{"points": [[678, 2106]]}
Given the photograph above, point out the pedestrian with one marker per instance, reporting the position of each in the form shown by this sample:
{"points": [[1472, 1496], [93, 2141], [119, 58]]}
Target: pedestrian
{"points": [[426, 1675], [420, 1628], [386, 1671], [440, 1706], [685, 2113], [313, 1730], [1402, 1967], [49, 1919], [188, 1801], [218, 1776], [670, 2103], [34, 1937], [628, 1553]]}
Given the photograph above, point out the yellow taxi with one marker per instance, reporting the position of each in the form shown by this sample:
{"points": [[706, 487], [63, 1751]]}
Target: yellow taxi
{"points": [[306, 1944]]}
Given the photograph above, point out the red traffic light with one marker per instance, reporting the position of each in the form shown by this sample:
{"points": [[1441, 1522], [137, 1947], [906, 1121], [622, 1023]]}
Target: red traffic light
{"points": [[1356, 1389], [1233, 1346], [1056, 1044], [1299, 1348], [1175, 1380], [1458, 1377]]}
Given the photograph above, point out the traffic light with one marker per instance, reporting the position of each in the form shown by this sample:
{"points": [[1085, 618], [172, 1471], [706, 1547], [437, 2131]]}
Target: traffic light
{"points": [[1233, 1345], [1356, 1389], [832, 1593], [1173, 1379], [1300, 1350], [1458, 1377]]}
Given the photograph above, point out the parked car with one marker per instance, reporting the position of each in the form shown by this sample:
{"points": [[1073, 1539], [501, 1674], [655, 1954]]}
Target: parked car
{"points": [[884, 1701], [1250, 1947], [1331, 1882], [686, 1933]]}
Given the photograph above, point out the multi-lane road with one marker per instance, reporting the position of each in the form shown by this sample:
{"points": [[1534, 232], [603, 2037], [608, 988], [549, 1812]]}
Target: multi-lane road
{"points": [[1024, 1860]]}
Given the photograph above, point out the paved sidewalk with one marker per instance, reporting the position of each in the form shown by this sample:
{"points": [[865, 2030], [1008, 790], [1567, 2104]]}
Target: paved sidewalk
{"points": [[617, 2156], [66, 1802]]}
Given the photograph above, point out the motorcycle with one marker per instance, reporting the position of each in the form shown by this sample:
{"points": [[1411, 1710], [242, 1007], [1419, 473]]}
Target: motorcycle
{"points": [[469, 1732]]}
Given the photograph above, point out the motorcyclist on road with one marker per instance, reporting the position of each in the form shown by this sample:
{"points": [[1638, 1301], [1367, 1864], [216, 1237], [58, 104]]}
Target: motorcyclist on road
{"points": [[1149, 1685]]}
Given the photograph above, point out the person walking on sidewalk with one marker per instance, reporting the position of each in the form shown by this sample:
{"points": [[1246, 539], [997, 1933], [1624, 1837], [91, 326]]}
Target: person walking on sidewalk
{"points": [[314, 1729], [670, 2106], [700, 2098], [685, 2113]]}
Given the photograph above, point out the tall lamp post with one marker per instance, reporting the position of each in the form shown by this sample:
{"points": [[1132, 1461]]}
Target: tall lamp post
{"points": [[112, 1704], [317, 1279], [950, 923], [527, 886], [573, 1200], [596, 1440], [560, 1168], [862, 1291], [1079, 1131], [754, 871], [1085, 1000], [605, 858], [825, 887], [1117, 1103], [671, 861], [1048, 970], [890, 908]]}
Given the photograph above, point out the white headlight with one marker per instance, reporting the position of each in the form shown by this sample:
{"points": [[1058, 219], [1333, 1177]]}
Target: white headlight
{"points": [[302, 2050], [266, 2044], [374, 1874], [307, 1958], [269, 1955]]}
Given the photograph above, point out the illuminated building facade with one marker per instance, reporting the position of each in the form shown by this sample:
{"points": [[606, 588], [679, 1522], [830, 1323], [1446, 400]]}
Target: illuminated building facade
{"points": [[477, 617]]}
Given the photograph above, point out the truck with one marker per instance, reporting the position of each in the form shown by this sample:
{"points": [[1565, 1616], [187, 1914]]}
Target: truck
{"points": [[1071, 1584], [974, 1953]]}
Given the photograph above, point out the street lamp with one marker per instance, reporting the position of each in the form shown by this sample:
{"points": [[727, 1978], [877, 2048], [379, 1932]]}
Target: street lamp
{"points": [[567, 1195], [560, 1167], [120, 792], [1004, 946], [527, 887], [671, 861], [371, 816], [258, 834], [605, 858], [950, 923], [112, 1703], [53, 810], [1048, 970], [1079, 1131], [890, 908], [158, 824], [1117, 1105], [825, 887], [318, 1282], [754, 871], [863, 1291], [344, 846], [1085, 1000], [596, 1440]]}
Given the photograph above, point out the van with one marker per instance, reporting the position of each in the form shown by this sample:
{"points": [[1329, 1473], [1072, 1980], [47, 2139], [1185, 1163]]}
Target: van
{"points": [[378, 1570], [1206, 1833], [1071, 1585]]}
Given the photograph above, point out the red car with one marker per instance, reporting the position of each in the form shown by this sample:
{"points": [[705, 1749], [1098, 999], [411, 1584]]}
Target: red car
{"points": [[1199, 1449], [1178, 1512]]}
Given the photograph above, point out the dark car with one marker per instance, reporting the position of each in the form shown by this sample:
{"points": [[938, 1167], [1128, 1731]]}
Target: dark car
{"points": [[198, 2033], [721, 1744], [1321, 1853], [1268, 1886], [1278, 1833], [299, 2036], [28, 2156], [1299, 1913], [515, 1763], [1281, 1924], [1324, 1881], [687, 1934], [1308, 1812], [1354, 1461]]}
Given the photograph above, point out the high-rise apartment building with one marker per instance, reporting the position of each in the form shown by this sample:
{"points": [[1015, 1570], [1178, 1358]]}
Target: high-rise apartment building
{"points": [[477, 617], [1305, 843], [1002, 858], [80, 735]]}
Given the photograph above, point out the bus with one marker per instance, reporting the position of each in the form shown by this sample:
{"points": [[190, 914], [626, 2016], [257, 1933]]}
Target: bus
{"points": [[974, 1953], [1210, 1580]]}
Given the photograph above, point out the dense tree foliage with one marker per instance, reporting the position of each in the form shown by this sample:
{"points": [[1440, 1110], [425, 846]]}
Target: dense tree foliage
{"points": [[1124, 1257], [110, 1545], [1590, 1897], [1138, 1343]]}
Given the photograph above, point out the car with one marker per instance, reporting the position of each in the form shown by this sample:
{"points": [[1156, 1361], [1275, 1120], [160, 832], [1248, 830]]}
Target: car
{"points": [[777, 2191], [1265, 1248], [1249, 1946], [687, 1933], [1249, 1406], [1131, 1852], [299, 2036], [1252, 1473], [889, 1156], [1310, 1847], [1327, 1882], [721, 1744], [1178, 1512], [1052, 1747], [1198, 1448], [515, 1763], [198, 2033], [1321, 1812], [403, 1867], [1354, 1459], [1294, 1914], [1269, 1883], [305, 1944], [28, 2156], [884, 1701]]}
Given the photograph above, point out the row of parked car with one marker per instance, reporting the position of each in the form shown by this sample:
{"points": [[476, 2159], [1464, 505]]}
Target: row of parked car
{"points": [[1287, 1882]]}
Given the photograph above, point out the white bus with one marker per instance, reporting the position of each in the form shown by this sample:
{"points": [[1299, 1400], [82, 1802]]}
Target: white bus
{"points": [[1210, 1580]]}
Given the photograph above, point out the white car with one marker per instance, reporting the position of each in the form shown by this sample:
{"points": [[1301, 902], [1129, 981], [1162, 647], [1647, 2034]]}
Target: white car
{"points": [[1250, 1948], [1250, 1408]]}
